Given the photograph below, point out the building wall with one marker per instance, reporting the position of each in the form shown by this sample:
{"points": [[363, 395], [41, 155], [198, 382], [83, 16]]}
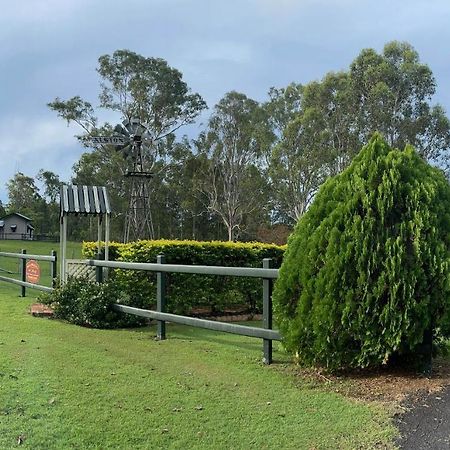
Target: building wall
{"points": [[21, 229]]}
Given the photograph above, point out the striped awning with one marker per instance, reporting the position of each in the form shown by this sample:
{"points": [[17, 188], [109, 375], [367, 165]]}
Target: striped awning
{"points": [[84, 200]]}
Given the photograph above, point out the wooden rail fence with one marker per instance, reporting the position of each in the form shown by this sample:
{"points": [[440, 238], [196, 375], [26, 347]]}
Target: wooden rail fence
{"points": [[23, 257], [266, 273]]}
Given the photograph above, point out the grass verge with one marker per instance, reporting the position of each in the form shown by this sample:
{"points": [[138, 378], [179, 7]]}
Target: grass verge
{"points": [[63, 386], [11, 267]]}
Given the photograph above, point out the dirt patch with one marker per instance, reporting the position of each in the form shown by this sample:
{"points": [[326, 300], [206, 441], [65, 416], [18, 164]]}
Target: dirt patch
{"points": [[391, 385], [237, 314]]}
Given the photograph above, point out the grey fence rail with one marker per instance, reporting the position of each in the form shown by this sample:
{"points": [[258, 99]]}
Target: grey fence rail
{"points": [[23, 257], [266, 273]]}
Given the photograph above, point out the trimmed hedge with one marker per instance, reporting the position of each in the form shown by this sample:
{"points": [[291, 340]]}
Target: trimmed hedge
{"points": [[186, 292], [366, 277]]}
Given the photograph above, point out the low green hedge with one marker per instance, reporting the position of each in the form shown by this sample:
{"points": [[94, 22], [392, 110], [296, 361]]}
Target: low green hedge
{"points": [[187, 293]]}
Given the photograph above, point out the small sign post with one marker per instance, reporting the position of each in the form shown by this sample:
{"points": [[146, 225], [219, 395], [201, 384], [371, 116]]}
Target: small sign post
{"points": [[33, 272]]}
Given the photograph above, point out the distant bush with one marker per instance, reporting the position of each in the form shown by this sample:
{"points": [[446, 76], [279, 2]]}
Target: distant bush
{"points": [[366, 276], [85, 303], [186, 292]]}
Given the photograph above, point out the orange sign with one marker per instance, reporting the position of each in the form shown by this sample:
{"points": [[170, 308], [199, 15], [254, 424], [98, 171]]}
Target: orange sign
{"points": [[33, 271]]}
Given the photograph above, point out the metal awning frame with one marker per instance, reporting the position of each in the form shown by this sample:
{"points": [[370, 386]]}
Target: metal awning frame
{"points": [[83, 200]]}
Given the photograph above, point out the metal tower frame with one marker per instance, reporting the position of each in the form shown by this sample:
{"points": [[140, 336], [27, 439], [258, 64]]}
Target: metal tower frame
{"points": [[131, 137]]}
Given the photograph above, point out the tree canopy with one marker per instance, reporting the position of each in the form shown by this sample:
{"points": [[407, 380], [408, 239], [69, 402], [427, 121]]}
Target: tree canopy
{"points": [[253, 166]]}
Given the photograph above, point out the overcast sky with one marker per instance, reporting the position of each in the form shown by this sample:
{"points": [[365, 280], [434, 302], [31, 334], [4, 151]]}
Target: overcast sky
{"points": [[49, 48]]}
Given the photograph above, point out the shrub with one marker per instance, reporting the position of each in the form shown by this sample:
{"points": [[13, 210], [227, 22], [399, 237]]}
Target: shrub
{"points": [[82, 302], [366, 274], [184, 291]]}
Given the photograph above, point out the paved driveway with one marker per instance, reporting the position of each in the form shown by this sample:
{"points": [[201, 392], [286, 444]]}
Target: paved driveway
{"points": [[426, 425]]}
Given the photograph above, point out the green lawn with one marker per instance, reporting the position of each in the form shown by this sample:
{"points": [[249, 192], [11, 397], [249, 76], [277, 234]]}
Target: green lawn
{"points": [[63, 386], [10, 267]]}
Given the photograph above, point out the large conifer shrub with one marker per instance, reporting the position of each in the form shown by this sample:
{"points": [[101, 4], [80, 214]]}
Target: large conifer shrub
{"points": [[366, 273]]}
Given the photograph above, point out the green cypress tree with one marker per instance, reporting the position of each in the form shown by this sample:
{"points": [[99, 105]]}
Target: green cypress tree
{"points": [[366, 276]]}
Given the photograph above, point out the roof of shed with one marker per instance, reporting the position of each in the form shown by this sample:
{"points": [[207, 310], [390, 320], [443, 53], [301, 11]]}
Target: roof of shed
{"points": [[84, 200], [17, 214]]}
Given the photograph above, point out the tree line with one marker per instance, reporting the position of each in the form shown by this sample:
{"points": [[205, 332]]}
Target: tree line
{"points": [[254, 168]]}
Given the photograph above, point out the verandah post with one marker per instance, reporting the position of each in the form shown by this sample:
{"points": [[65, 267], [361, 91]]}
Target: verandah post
{"points": [[23, 265], [267, 311], [161, 298]]}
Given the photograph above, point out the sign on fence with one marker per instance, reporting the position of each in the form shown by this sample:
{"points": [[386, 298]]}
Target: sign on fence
{"points": [[33, 271]]}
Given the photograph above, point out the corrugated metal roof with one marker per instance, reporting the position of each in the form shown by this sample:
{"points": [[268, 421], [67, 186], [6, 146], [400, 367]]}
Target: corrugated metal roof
{"points": [[84, 200], [17, 214]]}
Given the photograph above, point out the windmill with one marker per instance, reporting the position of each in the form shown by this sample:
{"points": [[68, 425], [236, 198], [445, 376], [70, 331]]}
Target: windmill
{"points": [[131, 138]]}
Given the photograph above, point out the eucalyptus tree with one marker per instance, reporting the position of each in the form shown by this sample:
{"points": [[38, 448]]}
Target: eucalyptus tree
{"points": [[51, 183], [319, 134], [24, 198], [330, 110], [136, 87], [283, 106], [299, 164], [392, 93], [22, 193], [233, 185], [299, 151]]}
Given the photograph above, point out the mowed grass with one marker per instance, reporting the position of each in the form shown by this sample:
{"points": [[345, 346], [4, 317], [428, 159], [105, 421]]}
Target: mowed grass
{"points": [[63, 386], [10, 267]]}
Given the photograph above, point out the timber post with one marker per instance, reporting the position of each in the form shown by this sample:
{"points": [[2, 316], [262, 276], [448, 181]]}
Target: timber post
{"points": [[267, 311], [54, 268], [161, 298], [23, 266]]}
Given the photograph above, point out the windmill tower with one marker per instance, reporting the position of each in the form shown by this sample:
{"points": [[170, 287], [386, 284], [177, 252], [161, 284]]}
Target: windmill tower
{"points": [[138, 219]]}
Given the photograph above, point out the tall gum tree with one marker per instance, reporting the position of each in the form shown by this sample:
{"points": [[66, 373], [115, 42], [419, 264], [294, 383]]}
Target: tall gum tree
{"points": [[233, 184], [319, 133], [135, 87], [391, 93]]}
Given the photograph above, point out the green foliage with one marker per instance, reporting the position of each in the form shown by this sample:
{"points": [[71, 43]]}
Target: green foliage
{"points": [[367, 270], [233, 182], [320, 127], [25, 198], [67, 387], [82, 302], [186, 291]]}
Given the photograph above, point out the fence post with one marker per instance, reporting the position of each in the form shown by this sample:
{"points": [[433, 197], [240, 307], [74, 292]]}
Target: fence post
{"points": [[267, 312], [54, 268], [24, 272], [161, 298], [98, 269]]}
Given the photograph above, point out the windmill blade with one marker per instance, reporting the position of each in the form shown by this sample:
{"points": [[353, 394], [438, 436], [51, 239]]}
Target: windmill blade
{"points": [[128, 125], [134, 126], [121, 130]]}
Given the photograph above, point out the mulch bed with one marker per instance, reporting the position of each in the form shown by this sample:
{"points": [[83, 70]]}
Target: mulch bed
{"points": [[41, 310]]}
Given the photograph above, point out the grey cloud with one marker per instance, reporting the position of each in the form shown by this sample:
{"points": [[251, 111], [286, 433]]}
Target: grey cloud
{"points": [[49, 48]]}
